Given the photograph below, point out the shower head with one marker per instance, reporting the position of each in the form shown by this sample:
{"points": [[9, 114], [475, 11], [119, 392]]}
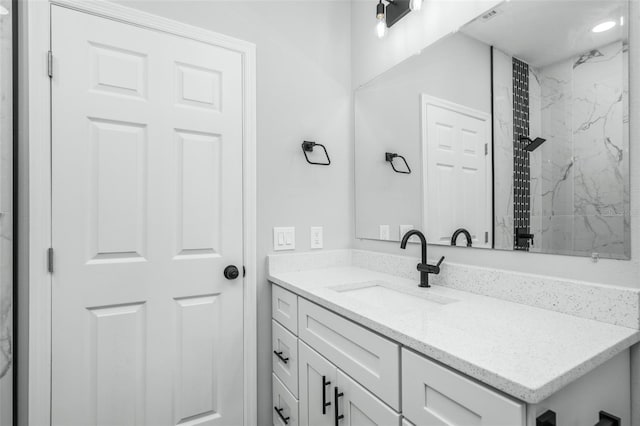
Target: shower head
{"points": [[532, 144]]}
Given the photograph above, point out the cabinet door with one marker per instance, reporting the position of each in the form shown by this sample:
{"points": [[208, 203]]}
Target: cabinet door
{"points": [[433, 395], [359, 407], [317, 377]]}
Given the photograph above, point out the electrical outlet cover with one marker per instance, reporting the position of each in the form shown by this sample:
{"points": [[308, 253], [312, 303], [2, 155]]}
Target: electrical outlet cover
{"points": [[316, 237]]}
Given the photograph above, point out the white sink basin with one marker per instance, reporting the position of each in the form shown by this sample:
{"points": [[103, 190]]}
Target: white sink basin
{"points": [[385, 295]]}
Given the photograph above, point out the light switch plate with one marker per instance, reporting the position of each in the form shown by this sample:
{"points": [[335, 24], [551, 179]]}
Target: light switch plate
{"points": [[384, 232], [316, 237], [284, 238]]}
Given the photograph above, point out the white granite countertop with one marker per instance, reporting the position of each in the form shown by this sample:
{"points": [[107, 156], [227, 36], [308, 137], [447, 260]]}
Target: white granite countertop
{"points": [[524, 351]]}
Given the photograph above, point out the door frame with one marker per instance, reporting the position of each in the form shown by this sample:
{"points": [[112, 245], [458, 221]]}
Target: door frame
{"points": [[425, 101], [34, 199]]}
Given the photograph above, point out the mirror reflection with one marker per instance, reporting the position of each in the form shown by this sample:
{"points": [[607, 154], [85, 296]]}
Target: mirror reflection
{"points": [[510, 134]]}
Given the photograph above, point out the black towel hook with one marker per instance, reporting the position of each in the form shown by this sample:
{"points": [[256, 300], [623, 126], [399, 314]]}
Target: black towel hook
{"points": [[308, 147], [389, 156]]}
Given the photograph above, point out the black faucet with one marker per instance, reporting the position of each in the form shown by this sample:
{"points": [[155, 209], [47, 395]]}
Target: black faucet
{"points": [[424, 268], [459, 231]]}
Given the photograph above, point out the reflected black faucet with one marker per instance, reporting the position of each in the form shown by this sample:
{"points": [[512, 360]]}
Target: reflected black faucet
{"points": [[459, 231], [424, 268], [523, 238]]}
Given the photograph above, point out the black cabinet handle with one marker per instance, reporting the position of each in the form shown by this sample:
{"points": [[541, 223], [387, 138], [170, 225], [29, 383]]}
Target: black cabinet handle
{"points": [[279, 355], [325, 404], [548, 418], [279, 411], [337, 394]]}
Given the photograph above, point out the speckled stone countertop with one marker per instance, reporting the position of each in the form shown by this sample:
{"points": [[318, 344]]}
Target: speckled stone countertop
{"points": [[524, 351]]}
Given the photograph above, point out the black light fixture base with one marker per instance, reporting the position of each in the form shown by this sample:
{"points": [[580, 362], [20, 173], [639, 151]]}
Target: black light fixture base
{"points": [[396, 10]]}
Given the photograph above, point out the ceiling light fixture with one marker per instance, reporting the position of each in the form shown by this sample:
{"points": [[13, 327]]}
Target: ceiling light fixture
{"points": [[604, 26]]}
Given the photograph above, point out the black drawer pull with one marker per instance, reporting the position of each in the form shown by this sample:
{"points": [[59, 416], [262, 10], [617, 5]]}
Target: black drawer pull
{"points": [[336, 395], [325, 404], [279, 411], [279, 355]]}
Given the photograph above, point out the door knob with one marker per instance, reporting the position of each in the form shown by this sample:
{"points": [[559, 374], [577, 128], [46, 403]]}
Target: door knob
{"points": [[231, 272]]}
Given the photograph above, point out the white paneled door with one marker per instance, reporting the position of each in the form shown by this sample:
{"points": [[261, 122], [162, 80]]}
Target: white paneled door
{"points": [[457, 172], [147, 213]]}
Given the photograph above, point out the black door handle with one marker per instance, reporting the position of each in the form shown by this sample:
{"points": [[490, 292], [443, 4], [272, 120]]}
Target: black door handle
{"points": [[279, 355], [337, 416], [325, 404], [279, 411], [231, 272]]}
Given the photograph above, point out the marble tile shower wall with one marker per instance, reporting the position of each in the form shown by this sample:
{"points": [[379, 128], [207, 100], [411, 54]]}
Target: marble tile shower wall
{"points": [[503, 150], [580, 189]]}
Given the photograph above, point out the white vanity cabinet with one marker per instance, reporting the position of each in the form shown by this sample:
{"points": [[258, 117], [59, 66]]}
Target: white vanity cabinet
{"points": [[346, 374], [329, 370]]}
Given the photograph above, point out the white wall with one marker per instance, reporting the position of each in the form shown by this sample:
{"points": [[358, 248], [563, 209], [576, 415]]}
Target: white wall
{"points": [[437, 18], [304, 93]]}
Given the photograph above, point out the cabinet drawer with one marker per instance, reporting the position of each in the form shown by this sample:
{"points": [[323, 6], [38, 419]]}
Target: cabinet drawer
{"points": [[285, 406], [431, 393], [371, 360], [285, 357], [284, 308]]}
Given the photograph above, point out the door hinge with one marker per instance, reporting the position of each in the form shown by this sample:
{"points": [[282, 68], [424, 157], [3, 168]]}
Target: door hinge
{"points": [[50, 64], [486, 149], [486, 237], [50, 260]]}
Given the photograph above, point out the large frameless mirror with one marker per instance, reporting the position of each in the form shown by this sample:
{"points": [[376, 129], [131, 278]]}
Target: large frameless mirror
{"points": [[512, 133]]}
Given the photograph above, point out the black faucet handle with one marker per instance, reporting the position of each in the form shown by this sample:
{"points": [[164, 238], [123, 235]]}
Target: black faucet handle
{"points": [[440, 261]]}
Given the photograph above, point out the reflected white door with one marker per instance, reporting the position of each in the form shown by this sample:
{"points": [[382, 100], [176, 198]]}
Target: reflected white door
{"points": [[456, 147], [147, 212]]}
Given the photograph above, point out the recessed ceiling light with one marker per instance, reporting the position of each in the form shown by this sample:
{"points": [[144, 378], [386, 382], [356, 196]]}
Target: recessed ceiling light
{"points": [[605, 26], [4, 10]]}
